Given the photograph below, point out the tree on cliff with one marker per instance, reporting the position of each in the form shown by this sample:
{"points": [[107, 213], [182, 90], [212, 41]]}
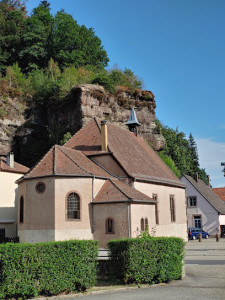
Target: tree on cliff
{"points": [[12, 20], [33, 40]]}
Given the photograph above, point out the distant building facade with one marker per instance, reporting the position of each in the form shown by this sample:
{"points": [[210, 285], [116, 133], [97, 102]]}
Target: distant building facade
{"points": [[204, 208]]}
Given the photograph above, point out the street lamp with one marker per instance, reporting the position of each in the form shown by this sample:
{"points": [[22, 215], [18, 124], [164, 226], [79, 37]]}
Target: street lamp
{"points": [[223, 164]]}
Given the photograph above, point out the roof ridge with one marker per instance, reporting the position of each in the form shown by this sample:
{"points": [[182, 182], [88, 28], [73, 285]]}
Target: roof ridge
{"points": [[120, 189], [72, 159], [54, 159], [38, 163], [96, 121]]}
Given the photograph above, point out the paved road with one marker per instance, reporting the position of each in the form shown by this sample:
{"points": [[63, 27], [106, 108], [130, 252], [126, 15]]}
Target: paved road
{"points": [[204, 280]]}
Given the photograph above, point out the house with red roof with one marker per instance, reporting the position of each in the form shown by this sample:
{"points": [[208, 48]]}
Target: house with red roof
{"points": [[104, 183], [10, 171]]}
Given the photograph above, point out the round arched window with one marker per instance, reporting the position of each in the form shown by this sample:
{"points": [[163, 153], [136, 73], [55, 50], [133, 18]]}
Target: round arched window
{"points": [[40, 187]]}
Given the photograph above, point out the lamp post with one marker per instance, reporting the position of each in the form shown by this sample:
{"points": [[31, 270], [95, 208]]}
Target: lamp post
{"points": [[223, 164]]}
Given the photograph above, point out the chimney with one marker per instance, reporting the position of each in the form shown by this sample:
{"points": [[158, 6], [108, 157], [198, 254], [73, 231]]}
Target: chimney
{"points": [[10, 160], [208, 180], [196, 177], [104, 135]]}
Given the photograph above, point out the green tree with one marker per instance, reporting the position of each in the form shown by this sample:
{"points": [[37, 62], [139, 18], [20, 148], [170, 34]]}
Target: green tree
{"points": [[180, 154], [193, 153], [36, 39], [76, 45], [12, 20]]}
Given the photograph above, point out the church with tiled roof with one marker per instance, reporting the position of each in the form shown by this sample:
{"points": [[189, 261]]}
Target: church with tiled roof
{"points": [[104, 183]]}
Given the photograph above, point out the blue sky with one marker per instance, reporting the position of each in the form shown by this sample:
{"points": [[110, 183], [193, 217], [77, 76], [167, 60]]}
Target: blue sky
{"points": [[177, 47]]}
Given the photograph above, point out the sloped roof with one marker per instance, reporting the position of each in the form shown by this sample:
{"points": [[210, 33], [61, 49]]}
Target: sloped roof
{"points": [[116, 191], [64, 161], [208, 193], [137, 158], [18, 168], [220, 192]]}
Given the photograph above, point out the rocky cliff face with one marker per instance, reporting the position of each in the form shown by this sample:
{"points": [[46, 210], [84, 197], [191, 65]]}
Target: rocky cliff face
{"points": [[46, 124], [88, 101], [11, 119]]}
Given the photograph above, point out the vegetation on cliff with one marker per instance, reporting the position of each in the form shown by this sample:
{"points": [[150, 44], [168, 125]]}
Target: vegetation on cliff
{"points": [[54, 50]]}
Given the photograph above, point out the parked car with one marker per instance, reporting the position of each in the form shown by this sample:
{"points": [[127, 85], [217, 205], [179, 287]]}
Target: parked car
{"points": [[193, 233]]}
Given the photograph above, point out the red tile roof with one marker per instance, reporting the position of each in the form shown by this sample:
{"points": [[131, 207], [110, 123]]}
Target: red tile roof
{"points": [[114, 190], [64, 161], [18, 168], [220, 192], [137, 158]]}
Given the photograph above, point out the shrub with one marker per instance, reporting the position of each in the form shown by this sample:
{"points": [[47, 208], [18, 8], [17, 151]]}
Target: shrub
{"points": [[146, 260], [29, 270]]}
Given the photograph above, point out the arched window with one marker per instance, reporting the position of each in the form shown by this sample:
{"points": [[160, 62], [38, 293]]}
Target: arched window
{"points": [[21, 209], [142, 225], [146, 223], [73, 206], [109, 225]]}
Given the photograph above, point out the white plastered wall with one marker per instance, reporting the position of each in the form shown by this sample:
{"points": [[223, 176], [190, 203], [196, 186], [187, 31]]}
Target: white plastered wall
{"points": [[8, 203], [165, 226]]}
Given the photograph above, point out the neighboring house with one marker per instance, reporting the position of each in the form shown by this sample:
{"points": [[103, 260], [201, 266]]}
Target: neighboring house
{"points": [[104, 183], [10, 171], [204, 208], [221, 193]]}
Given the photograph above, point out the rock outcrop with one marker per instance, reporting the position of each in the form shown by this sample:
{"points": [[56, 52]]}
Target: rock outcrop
{"points": [[88, 101], [45, 125], [11, 119]]}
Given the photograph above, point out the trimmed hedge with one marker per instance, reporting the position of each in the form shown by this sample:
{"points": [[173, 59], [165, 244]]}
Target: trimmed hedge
{"points": [[146, 260], [29, 270]]}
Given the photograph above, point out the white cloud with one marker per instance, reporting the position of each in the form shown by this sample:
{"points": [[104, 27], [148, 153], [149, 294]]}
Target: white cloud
{"points": [[211, 154]]}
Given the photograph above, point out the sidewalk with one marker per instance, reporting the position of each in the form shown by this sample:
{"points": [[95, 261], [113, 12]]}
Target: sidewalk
{"points": [[205, 278]]}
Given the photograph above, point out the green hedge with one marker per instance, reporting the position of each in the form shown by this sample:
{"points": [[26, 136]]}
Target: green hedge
{"points": [[29, 270], [146, 260]]}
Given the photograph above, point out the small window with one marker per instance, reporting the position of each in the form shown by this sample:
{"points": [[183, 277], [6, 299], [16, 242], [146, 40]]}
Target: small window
{"points": [[192, 201], [142, 225], [40, 187], [172, 209], [109, 225], [21, 209], [198, 221], [155, 198], [73, 206], [146, 223], [2, 232]]}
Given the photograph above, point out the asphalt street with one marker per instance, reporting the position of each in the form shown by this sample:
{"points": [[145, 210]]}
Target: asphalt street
{"points": [[204, 279]]}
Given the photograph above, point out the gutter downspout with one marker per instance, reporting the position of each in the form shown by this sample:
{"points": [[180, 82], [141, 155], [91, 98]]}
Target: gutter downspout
{"points": [[92, 207], [129, 223]]}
